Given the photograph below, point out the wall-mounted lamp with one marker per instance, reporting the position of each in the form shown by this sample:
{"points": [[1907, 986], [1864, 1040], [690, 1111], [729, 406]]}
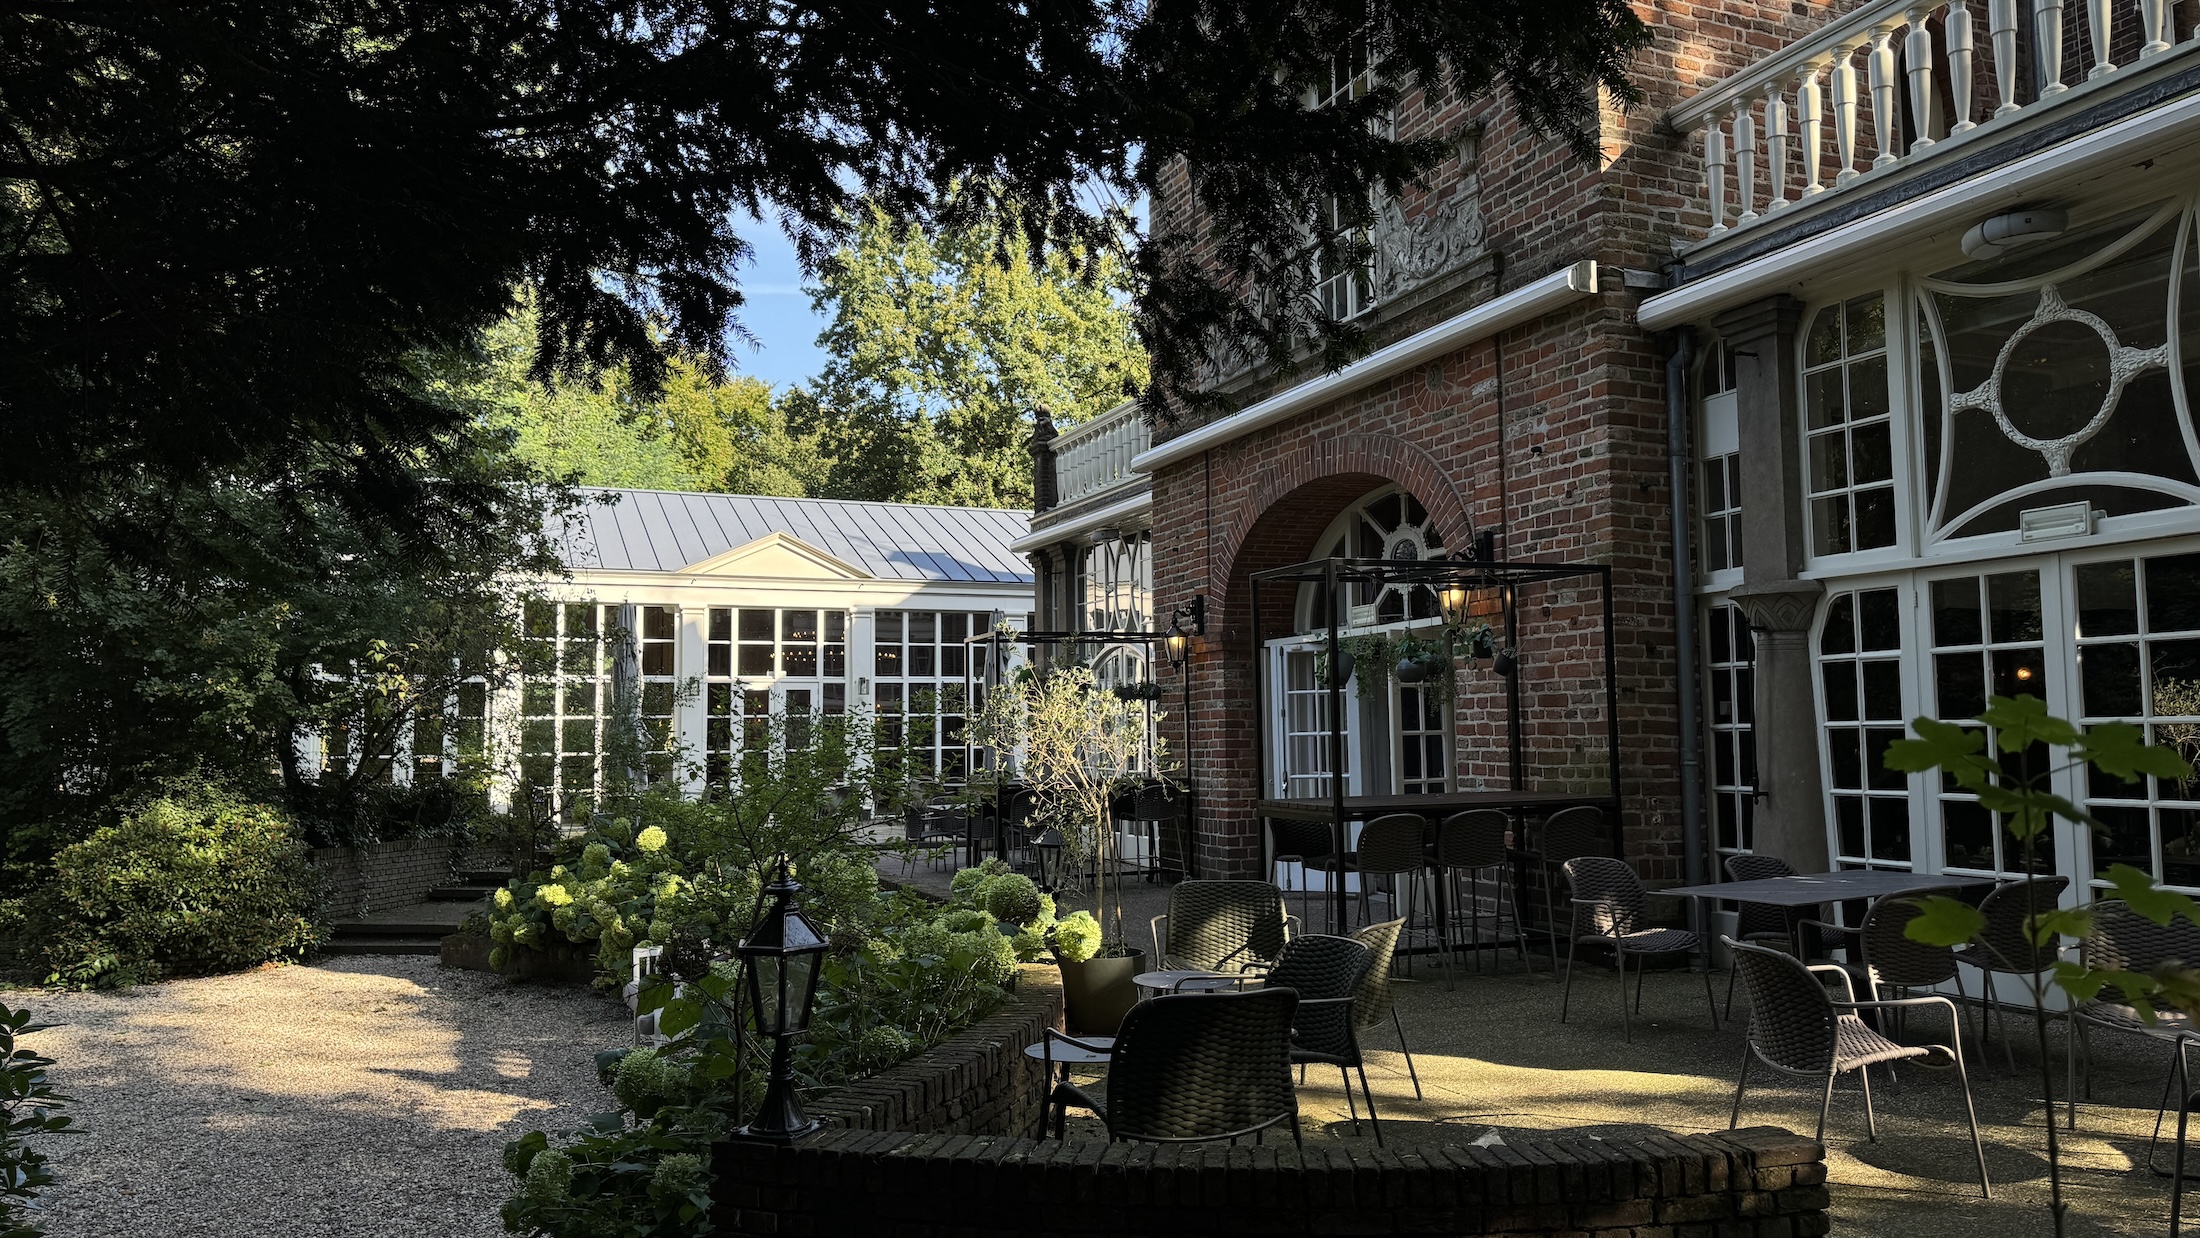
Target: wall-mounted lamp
{"points": [[1453, 600], [1178, 640]]}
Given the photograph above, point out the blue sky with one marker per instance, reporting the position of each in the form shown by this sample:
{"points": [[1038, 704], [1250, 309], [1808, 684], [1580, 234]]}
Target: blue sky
{"points": [[778, 314]]}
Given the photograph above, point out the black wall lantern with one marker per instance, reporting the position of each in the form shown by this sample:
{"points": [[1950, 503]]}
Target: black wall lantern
{"points": [[781, 958], [1053, 856]]}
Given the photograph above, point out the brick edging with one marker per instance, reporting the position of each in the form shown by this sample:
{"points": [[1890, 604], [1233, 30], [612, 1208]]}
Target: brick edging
{"points": [[976, 1082]]}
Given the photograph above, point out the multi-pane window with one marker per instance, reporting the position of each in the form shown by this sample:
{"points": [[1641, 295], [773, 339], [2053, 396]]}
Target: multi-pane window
{"points": [[1422, 736], [920, 660], [565, 702], [1860, 673], [754, 654], [1848, 433], [1730, 660], [1720, 501], [1345, 286], [1306, 728], [2139, 661], [655, 644], [1987, 641], [1118, 585]]}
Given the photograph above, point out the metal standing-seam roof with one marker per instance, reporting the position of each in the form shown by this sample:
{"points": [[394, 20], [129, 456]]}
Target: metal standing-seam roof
{"points": [[666, 531]]}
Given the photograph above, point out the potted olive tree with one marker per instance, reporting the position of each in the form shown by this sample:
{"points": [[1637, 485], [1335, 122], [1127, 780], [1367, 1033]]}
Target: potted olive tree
{"points": [[1076, 747]]}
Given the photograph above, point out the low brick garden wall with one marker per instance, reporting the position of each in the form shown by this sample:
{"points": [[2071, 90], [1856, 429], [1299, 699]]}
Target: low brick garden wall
{"points": [[977, 1082], [938, 1147], [359, 880], [1757, 1183]]}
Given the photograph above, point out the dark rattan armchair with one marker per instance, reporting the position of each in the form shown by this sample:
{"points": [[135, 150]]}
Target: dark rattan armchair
{"points": [[1797, 1028], [2003, 949], [2124, 940], [1608, 911], [1194, 1067], [1566, 834], [1374, 1005], [1220, 926], [1391, 847], [1757, 923], [1326, 972], [1469, 845]]}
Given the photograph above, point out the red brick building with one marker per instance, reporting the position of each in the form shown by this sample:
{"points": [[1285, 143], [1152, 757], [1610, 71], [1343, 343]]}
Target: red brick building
{"points": [[1861, 239]]}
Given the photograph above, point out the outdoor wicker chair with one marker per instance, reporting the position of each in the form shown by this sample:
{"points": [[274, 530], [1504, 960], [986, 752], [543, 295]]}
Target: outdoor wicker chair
{"points": [[1327, 972], [1220, 926], [1797, 1028], [1470, 844], [1308, 844], [1608, 911], [1374, 1004], [1193, 1067], [1886, 958], [1567, 834], [2003, 949], [1757, 923], [2124, 940], [1391, 848]]}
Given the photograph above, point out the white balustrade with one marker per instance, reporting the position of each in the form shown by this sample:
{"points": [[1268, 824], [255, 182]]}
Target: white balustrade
{"points": [[1815, 80], [1095, 455]]}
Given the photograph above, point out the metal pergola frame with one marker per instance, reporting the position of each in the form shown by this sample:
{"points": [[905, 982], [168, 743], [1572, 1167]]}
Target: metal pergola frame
{"points": [[1471, 574]]}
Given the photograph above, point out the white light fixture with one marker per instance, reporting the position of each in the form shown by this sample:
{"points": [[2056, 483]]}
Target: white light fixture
{"points": [[2045, 524], [1998, 234]]}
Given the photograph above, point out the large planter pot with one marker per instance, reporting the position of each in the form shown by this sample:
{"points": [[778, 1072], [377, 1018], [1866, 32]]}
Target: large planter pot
{"points": [[1097, 993]]}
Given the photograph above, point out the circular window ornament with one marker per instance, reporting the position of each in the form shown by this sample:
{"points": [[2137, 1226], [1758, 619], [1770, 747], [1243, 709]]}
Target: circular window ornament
{"points": [[2124, 365]]}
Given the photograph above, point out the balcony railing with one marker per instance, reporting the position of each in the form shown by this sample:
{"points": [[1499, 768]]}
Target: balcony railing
{"points": [[1744, 121], [1091, 457]]}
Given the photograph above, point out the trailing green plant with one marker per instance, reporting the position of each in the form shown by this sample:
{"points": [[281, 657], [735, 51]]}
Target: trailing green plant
{"points": [[1372, 658], [194, 881], [2014, 781], [30, 1111]]}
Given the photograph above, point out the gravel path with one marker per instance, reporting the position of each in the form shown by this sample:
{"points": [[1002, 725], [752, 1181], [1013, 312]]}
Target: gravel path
{"points": [[354, 1097]]}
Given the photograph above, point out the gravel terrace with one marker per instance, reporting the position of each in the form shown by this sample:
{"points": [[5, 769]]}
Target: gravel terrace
{"points": [[352, 1097]]}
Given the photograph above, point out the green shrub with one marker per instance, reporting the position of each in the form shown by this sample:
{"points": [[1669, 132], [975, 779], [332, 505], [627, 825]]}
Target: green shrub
{"points": [[195, 882], [29, 1109], [1077, 937]]}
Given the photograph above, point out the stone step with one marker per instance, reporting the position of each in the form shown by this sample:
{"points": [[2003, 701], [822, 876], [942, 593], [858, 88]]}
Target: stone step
{"points": [[346, 930], [461, 894], [383, 945], [491, 877]]}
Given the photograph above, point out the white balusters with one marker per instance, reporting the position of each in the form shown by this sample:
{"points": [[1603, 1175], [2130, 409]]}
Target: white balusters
{"points": [[1776, 128], [1958, 32], [2098, 25], [1745, 161], [1714, 163], [1882, 83], [1844, 114], [1917, 49], [2154, 22], [2047, 32], [1812, 107], [2001, 21]]}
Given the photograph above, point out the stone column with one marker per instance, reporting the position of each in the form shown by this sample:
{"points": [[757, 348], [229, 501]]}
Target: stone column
{"points": [[1791, 808]]}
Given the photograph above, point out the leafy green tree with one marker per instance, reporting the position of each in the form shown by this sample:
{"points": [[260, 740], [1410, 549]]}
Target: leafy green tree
{"points": [[226, 226], [941, 344]]}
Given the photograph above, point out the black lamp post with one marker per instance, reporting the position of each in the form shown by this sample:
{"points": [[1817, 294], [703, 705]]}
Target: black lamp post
{"points": [[1179, 644], [1050, 849], [782, 957]]}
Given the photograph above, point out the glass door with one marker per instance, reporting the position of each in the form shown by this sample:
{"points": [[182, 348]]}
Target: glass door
{"points": [[1988, 634], [1303, 725]]}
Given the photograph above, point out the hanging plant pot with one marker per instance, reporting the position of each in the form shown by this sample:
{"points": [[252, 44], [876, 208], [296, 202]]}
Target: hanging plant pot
{"points": [[1412, 670]]}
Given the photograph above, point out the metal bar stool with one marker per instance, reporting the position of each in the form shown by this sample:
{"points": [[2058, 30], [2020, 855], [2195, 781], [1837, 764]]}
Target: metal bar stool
{"points": [[1469, 844]]}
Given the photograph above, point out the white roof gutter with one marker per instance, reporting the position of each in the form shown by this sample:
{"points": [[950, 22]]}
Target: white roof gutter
{"points": [[1524, 304], [1135, 505]]}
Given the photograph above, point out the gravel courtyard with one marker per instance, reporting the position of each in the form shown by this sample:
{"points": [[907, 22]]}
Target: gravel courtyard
{"points": [[352, 1097]]}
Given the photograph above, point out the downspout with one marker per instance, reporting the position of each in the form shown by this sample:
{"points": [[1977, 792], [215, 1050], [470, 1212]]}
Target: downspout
{"points": [[1680, 461]]}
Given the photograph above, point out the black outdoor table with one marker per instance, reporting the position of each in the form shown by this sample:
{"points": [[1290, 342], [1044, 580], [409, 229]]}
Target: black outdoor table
{"points": [[1817, 889]]}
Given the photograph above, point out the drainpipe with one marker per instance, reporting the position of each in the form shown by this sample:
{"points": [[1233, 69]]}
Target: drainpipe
{"points": [[1681, 461]]}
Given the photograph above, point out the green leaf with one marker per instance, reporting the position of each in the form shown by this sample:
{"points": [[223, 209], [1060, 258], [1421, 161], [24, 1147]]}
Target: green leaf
{"points": [[678, 1014], [653, 996], [2121, 749], [1943, 921], [1938, 743], [2063, 921], [2021, 721], [2137, 889]]}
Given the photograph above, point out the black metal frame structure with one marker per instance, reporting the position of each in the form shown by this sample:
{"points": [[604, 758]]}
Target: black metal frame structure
{"points": [[1438, 574]]}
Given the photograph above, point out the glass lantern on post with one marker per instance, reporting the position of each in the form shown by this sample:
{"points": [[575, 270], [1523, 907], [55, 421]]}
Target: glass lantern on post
{"points": [[1053, 857], [782, 957]]}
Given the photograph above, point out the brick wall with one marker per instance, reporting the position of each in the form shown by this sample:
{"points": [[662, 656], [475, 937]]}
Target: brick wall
{"points": [[1757, 1183], [365, 879], [975, 1083]]}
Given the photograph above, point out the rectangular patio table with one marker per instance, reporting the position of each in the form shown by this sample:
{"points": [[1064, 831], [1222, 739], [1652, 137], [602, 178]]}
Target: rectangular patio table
{"points": [[1817, 889]]}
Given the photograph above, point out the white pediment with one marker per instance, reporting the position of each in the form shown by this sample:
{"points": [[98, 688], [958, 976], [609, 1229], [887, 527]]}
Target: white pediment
{"points": [[776, 556]]}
